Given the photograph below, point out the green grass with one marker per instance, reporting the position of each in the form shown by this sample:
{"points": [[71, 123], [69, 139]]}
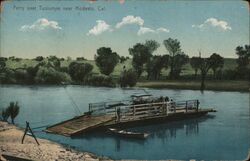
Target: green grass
{"points": [[224, 85]]}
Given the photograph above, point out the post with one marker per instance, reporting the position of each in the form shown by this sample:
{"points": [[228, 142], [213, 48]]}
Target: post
{"points": [[134, 111], [186, 107], [197, 105], [166, 108]]}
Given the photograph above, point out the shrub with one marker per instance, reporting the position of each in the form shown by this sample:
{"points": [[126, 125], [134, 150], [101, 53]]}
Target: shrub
{"points": [[39, 58], [13, 111], [128, 78], [100, 80], [79, 71], [48, 75]]}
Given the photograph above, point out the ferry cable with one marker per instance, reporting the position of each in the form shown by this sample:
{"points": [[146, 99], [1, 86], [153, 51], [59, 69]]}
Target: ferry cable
{"points": [[76, 108]]}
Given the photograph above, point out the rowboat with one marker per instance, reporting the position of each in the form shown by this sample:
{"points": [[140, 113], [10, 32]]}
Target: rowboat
{"points": [[129, 134]]}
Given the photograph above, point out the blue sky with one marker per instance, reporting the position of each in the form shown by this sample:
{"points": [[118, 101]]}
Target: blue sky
{"points": [[206, 26]]}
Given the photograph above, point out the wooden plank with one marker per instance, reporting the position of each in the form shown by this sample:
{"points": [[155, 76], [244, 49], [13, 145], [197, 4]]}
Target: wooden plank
{"points": [[79, 124]]}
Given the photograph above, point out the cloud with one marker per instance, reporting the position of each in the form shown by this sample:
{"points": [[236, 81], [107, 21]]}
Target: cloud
{"points": [[99, 28], [41, 24], [214, 23], [130, 19], [144, 30]]}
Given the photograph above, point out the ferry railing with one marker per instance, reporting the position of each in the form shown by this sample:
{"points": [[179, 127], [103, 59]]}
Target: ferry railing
{"points": [[136, 111]]}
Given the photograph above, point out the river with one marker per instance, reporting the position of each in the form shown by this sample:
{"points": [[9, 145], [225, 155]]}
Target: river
{"points": [[224, 135]]}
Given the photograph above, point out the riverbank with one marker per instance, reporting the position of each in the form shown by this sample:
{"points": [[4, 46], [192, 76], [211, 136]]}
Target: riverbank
{"points": [[10, 144], [223, 85]]}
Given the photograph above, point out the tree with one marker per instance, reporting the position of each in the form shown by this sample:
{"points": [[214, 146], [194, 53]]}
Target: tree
{"points": [[106, 60], [195, 64], [55, 62], [243, 60], [176, 62], [13, 110], [205, 65], [217, 62], [128, 78], [141, 54], [123, 59], [39, 58], [78, 71], [156, 64]]}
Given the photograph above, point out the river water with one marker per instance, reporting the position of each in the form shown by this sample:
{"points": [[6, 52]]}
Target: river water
{"points": [[224, 135]]}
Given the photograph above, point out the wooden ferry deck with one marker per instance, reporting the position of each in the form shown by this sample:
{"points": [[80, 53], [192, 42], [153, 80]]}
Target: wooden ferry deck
{"points": [[103, 116], [79, 124]]}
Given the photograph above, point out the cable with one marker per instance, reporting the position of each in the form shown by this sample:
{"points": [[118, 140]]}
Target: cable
{"points": [[76, 107]]}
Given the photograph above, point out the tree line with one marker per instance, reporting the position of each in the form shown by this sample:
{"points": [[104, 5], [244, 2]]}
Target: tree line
{"points": [[50, 71]]}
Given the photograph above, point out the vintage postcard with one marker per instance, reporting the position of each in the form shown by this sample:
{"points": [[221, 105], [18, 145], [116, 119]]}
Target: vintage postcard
{"points": [[124, 80]]}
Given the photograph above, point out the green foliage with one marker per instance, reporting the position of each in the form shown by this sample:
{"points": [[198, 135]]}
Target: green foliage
{"points": [[5, 114], [13, 110], [55, 62], [48, 75], [106, 60], [155, 65], [123, 59], [128, 78], [141, 55], [39, 58], [217, 62], [243, 61], [195, 64], [80, 58], [100, 80], [177, 57], [78, 71]]}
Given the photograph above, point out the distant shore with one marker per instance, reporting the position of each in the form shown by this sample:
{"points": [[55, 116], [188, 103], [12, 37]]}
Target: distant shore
{"points": [[10, 144], [220, 85]]}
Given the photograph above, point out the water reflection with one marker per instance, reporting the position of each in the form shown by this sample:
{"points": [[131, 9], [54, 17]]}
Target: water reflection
{"points": [[164, 132]]}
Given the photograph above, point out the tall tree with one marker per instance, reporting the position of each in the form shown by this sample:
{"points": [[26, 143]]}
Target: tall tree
{"points": [[217, 62], [106, 60], [141, 55], [243, 60], [205, 65], [195, 64], [176, 62], [156, 64]]}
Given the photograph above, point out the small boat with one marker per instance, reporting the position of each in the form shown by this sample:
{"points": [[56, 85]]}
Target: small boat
{"points": [[129, 134]]}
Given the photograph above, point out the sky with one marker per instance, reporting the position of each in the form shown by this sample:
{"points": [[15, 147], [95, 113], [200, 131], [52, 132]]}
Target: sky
{"points": [[77, 28]]}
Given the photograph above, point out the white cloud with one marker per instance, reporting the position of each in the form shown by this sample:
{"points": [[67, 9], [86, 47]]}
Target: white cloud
{"points": [[161, 29], [130, 19], [144, 30], [214, 23], [99, 28], [41, 24]]}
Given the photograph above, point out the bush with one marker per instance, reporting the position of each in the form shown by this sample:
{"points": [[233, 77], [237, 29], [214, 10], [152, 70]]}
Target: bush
{"points": [[5, 114], [80, 58], [39, 58], [100, 80], [128, 78], [79, 71], [51, 76]]}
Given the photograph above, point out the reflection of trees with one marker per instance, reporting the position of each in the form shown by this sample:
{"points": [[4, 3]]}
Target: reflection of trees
{"points": [[169, 130]]}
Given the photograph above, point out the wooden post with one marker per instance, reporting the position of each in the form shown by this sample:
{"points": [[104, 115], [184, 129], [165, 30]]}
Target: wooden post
{"points": [[134, 111], [186, 107], [29, 129], [167, 108], [197, 105]]}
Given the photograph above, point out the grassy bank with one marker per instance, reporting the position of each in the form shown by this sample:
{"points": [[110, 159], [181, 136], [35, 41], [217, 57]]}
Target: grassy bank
{"points": [[195, 85]]}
